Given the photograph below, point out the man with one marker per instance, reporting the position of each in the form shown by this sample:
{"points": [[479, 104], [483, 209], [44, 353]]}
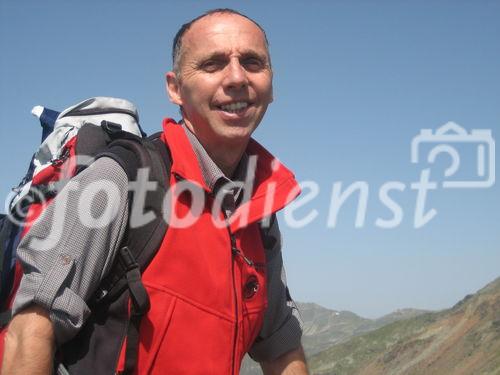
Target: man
{"points": [[214, 304]]}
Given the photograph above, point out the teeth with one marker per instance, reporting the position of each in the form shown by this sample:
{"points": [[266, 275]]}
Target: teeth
{"points": [[234, 107]]}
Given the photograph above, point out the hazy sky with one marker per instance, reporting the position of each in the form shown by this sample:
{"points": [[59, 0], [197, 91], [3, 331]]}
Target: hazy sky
{"points": [[354, 82]]}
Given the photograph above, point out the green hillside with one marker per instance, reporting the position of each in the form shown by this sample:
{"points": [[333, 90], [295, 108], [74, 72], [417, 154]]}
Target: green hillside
{"points": [[464, 340], [324, 327]]}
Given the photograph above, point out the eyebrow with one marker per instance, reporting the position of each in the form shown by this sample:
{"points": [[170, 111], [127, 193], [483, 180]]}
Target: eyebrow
{"points": [[218, 55]]}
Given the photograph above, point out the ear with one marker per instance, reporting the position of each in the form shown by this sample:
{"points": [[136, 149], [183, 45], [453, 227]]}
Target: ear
{"points": [[173, 88]]}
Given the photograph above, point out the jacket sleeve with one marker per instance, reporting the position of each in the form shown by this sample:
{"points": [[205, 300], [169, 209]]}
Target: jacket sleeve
{"points": [[71, 246], [282, 328]]}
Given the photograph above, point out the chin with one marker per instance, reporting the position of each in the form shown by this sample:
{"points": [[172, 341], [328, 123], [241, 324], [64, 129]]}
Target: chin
{"points": [[233, 139], [238, 132]]}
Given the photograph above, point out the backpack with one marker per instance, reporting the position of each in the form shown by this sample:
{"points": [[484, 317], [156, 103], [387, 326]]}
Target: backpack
{"points": [[94, 128], [10, 230]]}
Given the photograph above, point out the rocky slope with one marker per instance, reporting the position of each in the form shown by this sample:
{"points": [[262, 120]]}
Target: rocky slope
{"points": [[325, 327], [463, 340]]}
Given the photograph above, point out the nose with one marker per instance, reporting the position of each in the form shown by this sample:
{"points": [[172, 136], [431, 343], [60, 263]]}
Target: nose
{"points": [[236, 76]]}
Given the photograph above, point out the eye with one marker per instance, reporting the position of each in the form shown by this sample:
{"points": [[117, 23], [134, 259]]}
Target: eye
{"points": [[253, 64], [211, 66]]}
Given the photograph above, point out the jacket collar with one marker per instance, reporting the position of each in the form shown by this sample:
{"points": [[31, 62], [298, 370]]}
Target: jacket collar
{"points": [[184, 160], [274, 186]]}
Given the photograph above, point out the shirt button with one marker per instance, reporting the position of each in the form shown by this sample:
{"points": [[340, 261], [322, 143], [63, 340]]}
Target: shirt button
{"points": [[65, 259]]}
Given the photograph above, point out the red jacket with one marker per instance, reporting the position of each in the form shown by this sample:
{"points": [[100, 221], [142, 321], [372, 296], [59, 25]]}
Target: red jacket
{"points": [[207, 301]]}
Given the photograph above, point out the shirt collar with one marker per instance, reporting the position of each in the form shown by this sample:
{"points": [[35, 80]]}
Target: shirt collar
{"points": [[213, 176]]}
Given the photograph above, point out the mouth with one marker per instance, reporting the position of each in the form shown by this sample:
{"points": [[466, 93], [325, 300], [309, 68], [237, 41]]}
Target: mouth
{"points": [[234, 107]]}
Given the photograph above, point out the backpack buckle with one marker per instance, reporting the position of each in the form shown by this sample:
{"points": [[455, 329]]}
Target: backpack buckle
{"points": [[127, 260], [111, 127]]}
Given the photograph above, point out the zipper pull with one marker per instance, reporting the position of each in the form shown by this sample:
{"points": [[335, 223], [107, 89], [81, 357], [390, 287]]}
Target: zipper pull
{"points": [[237, 252]]}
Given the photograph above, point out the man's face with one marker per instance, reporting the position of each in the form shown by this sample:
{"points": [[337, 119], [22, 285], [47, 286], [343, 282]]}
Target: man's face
{"points": [[225, 82]]}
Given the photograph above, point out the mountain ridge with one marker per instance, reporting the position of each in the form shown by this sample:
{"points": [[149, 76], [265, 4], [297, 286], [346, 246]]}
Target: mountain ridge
{"points": [[461, 340], [324, 327]]}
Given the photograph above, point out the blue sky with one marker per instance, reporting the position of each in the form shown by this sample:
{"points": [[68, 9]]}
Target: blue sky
{"points": [[354, 83]]}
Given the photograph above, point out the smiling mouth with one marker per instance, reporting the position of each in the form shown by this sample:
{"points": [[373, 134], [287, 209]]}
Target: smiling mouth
{"points": [[236, 107]]}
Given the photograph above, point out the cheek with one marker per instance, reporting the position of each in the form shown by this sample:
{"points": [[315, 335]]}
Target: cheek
{"points": [[199, 95], [265, 88], [270, 96]]}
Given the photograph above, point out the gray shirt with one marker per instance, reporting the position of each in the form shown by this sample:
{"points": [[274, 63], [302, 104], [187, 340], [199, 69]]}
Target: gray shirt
{"points": [[71, 246]]}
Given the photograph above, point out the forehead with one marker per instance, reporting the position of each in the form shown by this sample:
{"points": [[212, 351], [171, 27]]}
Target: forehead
{"points": [[223, 33]]}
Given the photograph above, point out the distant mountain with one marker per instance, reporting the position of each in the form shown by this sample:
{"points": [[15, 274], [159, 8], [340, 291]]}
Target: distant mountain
{"points": [[463, 340], [324, 327], [398, 315]]}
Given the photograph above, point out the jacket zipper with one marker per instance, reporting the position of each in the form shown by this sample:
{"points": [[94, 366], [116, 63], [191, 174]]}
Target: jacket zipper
{"points": [[234, 252]]}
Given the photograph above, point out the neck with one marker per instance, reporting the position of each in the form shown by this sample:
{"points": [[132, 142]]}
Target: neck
{"points": [[226, 160], [226, 155]]}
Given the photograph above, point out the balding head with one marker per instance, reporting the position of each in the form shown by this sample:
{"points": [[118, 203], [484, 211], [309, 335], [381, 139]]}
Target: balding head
{"points": [[177, 46]]}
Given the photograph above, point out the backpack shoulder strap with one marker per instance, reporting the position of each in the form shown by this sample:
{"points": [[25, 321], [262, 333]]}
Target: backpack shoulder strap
{"points": [[147, 159], [140, 158]]}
